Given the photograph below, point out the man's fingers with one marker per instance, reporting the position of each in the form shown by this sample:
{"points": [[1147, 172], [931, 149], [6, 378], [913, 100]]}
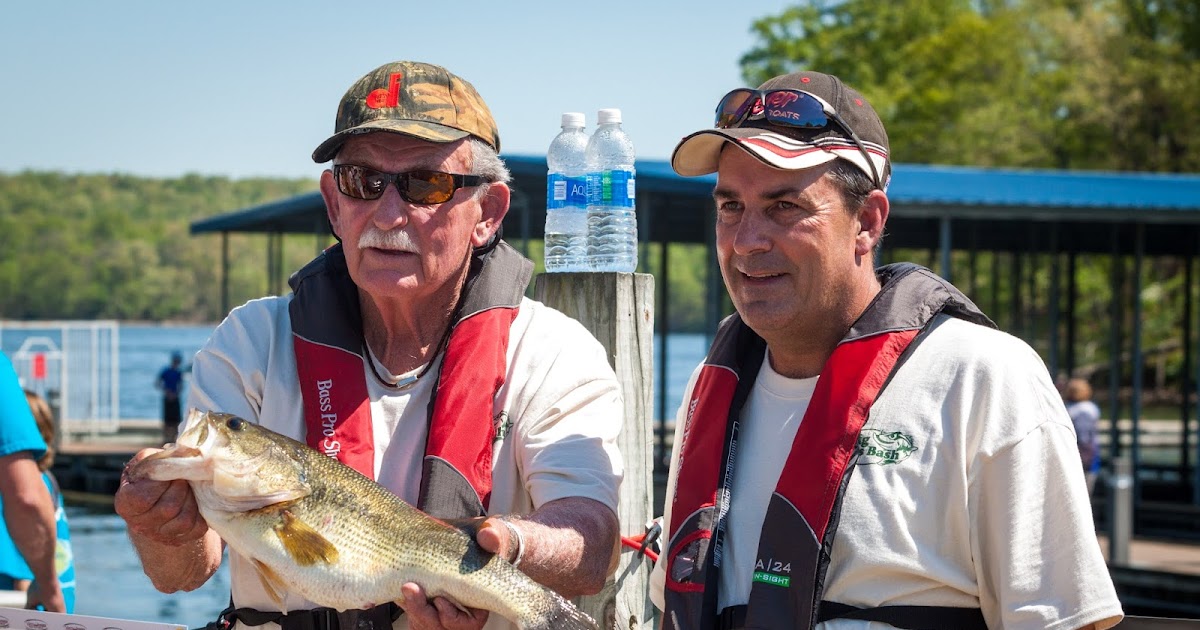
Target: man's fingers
{"points": [[420, 613], [455, 618], [497, 535], [184, 522], [164, 511], [493, 537], [424, 614], [135, 497]]}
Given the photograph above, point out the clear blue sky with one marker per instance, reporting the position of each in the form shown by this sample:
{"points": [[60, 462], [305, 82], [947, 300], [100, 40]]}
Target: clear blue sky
{"points": [[242, 88]]}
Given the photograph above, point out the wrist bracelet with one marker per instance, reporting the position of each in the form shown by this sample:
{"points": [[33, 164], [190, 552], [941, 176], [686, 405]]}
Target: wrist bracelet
{"points": [[516, 533]]}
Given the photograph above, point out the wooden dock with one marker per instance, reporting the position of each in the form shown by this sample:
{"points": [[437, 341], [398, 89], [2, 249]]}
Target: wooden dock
{"points": [[92, 464], [1157, 555], [1161, 579]]}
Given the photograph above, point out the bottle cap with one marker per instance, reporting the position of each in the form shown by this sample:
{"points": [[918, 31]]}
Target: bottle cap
{"points": [[572, 119], [606, 116]]}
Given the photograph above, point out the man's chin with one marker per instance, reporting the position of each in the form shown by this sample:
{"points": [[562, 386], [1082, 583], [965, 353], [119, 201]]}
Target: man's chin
{"points": [[387, 282], [761, 316]]}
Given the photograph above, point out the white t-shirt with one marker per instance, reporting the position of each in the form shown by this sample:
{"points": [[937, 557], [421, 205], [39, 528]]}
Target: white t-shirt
{"points": [[771, 417], [560, 396], [968, 493]]}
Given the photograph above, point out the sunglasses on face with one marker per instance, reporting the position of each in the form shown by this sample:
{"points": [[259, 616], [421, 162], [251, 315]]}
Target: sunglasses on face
{"points": [[420, 187], [790, 108]]}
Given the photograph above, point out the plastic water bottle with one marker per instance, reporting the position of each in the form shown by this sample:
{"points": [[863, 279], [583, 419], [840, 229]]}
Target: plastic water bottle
{"points": [[612, 224], [566, 198]]}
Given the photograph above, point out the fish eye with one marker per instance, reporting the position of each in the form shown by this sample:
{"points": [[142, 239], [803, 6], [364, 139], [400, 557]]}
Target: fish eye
{"points": [[235, 423]]}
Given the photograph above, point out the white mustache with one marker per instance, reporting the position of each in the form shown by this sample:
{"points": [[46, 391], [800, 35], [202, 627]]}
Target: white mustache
{"points": [[395, 240]]}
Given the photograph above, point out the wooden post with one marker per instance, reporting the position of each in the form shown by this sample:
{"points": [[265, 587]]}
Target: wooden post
{"points": [[618, 309]]}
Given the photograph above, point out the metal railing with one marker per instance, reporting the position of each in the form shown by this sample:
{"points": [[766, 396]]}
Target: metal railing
{"points": [[75, 365]]}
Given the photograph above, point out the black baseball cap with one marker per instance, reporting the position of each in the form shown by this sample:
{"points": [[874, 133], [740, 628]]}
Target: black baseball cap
{"points": [[796, 148]]}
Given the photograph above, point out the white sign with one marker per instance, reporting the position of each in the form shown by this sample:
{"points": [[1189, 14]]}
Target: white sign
{"points": [[18, 619]]}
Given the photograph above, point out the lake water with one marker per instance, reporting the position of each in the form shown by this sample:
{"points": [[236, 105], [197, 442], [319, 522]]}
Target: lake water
{"points": [[109, 575], [145, 349], [110, 581]]}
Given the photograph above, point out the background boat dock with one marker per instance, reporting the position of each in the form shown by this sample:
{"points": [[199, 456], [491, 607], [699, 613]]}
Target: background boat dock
{"points": [[1161, 578]]}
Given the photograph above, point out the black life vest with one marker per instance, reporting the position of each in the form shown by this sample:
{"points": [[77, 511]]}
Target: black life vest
{"points": [[456, 476], [802, 515], [456, 479]]}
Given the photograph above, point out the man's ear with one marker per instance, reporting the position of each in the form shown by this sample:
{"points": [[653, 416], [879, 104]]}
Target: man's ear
{"points": [[494, 206], [330, 194], [872, 216]]}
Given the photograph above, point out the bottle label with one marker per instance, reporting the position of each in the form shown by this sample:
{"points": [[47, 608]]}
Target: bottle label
{"points": [[612, 188], [563, 191], [556, 191], [577, 191]]}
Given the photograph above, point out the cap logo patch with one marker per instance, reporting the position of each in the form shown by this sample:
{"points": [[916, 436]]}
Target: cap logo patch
{"points": [[388, 97], [805, 79], [781, 99]]}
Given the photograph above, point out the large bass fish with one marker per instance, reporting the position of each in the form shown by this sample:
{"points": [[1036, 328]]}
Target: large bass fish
{"points": [[314, 526]]}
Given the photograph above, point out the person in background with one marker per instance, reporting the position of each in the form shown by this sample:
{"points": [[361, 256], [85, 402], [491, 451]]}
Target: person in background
{"points": [[28, 508], [860, 445], [170, 383], [446, 384], [1085, 415], [14, 567]]}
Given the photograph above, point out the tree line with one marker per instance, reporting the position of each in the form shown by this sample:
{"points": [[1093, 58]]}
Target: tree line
{"points": [[1113, 84], [90, 246]]}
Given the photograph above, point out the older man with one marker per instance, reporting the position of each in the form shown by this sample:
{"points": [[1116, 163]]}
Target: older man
{"points": [[480, 401], [861, 448]]}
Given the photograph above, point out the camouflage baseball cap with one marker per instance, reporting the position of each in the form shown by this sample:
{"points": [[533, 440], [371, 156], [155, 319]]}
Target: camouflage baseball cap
{"points": [[415, 99]]}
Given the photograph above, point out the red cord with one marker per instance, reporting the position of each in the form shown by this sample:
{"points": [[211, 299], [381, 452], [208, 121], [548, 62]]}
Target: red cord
{"points": [[635, 542]]}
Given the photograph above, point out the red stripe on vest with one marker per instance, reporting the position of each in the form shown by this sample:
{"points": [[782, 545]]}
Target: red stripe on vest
{"points": [[688, 587], [834, 418], [337, 412], [471, 374], [702, 449]]}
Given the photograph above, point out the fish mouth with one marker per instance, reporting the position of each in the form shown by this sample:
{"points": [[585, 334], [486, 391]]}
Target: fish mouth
{"points": [[187, 458], [196, 441], [208, 455]]}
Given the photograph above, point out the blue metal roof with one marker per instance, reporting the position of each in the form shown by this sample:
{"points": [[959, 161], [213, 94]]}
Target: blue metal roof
{"points": [[962, 185], [994, 209], [933, 185]]}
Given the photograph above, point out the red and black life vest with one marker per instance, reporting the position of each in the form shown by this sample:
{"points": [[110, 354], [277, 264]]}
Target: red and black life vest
{"points": [[456, 478], [802, 516]]}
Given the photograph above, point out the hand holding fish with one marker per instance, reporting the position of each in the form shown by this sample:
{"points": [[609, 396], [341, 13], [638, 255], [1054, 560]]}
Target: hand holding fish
{"points": [[316, 528], [493, 535], [164, 511], [438, 613]]}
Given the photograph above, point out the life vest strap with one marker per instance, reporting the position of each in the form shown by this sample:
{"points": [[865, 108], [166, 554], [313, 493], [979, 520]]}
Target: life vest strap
{"points": [[905, 617], [377, 618]]}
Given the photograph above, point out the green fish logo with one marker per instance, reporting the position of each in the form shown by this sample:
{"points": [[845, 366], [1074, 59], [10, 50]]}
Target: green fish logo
{"points": [[882, 447]]}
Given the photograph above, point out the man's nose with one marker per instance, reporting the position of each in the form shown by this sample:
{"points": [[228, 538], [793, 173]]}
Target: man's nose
{"points": [[753, 234], [391, 210]]}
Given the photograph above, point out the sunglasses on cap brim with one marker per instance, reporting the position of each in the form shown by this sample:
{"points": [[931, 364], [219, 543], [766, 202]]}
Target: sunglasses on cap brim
{"points": [[421, 187], [789, 108]]}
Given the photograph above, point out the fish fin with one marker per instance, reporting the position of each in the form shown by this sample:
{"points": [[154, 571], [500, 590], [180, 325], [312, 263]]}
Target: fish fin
{"points": [[270, 582], [559, 614], [265, 502], [303, 543]]}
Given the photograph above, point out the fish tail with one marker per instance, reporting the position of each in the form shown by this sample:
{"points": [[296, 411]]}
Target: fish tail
{"points": [[560, 614]]}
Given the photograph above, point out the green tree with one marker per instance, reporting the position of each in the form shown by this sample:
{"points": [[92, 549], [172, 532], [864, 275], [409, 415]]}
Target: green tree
{"points": [[118, 246], [1112, 84]]}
